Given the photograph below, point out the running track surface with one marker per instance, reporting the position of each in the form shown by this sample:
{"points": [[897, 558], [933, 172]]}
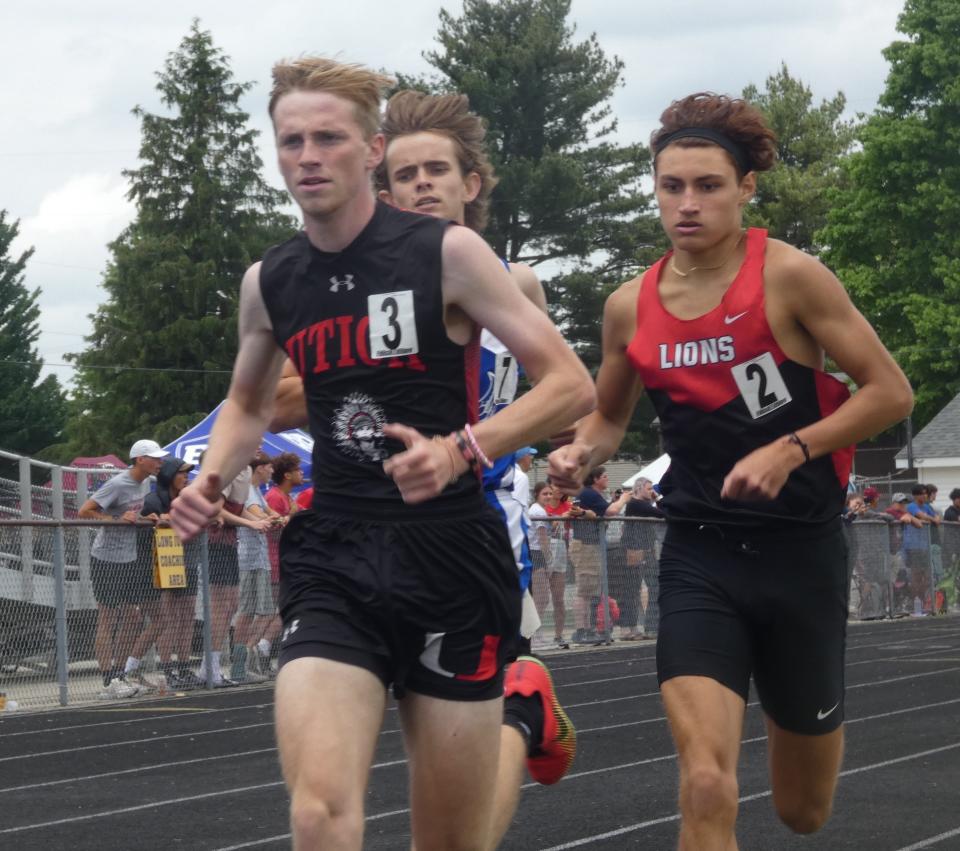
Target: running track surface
{"points": [[201, 772]]}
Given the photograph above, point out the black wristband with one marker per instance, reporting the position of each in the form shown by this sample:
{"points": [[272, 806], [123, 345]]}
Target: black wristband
{"points": [[792, 437]]}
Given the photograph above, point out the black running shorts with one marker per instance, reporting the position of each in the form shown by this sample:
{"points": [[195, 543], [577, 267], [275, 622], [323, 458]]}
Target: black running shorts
{"points": [[224, 568], [122, 583], [774, 604], [430, 604]]}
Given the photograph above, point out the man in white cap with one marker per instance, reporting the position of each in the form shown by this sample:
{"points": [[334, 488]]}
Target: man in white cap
{"points": [[521, 479], [119, 583]]}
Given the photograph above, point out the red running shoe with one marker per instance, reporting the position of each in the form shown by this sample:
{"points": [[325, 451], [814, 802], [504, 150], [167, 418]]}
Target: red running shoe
{"points": [[527, 677]]}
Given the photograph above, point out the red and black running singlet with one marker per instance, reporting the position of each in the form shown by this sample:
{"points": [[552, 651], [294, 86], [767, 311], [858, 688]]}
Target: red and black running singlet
{"points": [[722, 388], [364, 328]]}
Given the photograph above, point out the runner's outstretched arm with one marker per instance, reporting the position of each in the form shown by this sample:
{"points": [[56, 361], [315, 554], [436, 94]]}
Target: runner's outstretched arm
{"points": [[242, 419]]}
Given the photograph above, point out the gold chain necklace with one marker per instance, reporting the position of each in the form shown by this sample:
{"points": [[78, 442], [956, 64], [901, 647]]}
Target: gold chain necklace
{"points": [[692, 269]]}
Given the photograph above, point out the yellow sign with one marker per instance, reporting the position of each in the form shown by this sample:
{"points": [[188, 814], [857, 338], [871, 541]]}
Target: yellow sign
{"points": [[169, 568]]}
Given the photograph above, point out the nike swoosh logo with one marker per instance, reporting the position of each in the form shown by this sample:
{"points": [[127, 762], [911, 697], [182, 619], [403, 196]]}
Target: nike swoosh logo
{"points": [[729, 320], [821, 714]]}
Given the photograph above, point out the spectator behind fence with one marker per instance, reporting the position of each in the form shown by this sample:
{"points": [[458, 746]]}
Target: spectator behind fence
{"points": [[287, 475], [548, 582], [257, 607], [952, 514], [559, 508], [902, 600], [916, 548], [177, 605], [871, 571], [521, 478], [936, 564], [585, 550], [225, 570], [639, 543], [118, 584]]}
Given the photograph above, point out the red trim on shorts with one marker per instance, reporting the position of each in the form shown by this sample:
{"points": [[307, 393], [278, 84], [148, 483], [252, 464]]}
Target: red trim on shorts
{"points": [[487, 667]]}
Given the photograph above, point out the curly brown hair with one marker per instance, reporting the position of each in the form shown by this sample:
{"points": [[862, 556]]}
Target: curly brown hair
{"points": [[359, 85], [285, 462], [410, 112], [736, 119]]}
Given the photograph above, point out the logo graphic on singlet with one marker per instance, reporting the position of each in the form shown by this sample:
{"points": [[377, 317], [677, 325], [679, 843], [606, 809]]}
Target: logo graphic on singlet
{"points": [[729, 320], [761, 385], [358, 428], [336, 283], [500, 385], [697, 352]]}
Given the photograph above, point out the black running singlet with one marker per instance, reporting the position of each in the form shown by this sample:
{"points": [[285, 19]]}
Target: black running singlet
{"points": [[364, 328], [722, 388]]}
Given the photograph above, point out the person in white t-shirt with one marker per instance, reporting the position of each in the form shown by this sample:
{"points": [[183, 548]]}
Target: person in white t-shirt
{"points": [[521, 478], [256, 607], [549, 569]]}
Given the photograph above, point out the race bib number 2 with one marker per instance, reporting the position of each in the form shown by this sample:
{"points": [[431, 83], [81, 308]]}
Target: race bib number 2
{"points": [[761, 385], [393, 325]]}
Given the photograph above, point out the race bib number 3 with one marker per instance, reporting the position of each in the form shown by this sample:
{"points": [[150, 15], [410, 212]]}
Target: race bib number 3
{"points": [[393, 325], [761, 385]]}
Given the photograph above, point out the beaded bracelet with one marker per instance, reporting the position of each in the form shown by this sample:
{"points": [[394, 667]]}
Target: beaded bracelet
{"points": [[793, 438], [477, 451], [465, 450]]}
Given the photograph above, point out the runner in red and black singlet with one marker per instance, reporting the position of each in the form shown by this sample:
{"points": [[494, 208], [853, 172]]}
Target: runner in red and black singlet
{"points": [[403, 575], [723, 387], [728, 333]]}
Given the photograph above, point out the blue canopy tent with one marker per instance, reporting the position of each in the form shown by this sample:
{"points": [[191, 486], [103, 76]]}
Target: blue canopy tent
{"points": [[189, 446]]}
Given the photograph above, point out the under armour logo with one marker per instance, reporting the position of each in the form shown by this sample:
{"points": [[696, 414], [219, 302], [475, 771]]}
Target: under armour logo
{"points": [[336, 283], [290, 630]]}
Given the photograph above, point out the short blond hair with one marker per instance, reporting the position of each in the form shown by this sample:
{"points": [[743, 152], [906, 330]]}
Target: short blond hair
{"points": [[358, 84], [449, 115]]}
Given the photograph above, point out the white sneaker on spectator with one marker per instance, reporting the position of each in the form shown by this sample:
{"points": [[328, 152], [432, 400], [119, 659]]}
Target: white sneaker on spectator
{"points": [[118, 689]]}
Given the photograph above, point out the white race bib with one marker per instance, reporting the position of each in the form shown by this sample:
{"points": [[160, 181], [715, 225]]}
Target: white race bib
{"points": [[393, 325], [761, 385]]}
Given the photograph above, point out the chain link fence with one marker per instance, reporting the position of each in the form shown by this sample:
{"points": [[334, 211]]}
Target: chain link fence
{"points": [[70, 626]]}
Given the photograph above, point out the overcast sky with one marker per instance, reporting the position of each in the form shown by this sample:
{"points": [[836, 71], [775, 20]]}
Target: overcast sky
{"points": [[73, 72]]}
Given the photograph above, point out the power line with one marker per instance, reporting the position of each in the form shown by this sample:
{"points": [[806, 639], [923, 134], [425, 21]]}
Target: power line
{"points": [[118, 368]]}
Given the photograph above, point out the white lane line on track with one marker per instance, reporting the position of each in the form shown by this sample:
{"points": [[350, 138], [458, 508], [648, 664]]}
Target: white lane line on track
{"points": [[933, 840], [115, 723], [567, 779], [633, 828], [205, 711], [170, 802], [122, 772], [580, 731], [388, 732], [651, 822]]}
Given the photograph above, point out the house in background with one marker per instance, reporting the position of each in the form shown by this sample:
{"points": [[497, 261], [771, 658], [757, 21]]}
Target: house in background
{"points": [[936, 451]]}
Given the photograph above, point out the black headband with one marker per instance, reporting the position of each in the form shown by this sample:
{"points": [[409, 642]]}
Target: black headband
{"points": [[735, 149]]}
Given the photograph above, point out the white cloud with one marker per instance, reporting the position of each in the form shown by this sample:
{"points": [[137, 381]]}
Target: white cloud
{"points": [[70, 232], [67, 132]]}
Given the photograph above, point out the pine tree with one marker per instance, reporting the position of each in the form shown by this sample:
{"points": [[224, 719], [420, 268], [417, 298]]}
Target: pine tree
{"points": [[32, 411], [793, 198], [567, 192], [163, 344]]}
